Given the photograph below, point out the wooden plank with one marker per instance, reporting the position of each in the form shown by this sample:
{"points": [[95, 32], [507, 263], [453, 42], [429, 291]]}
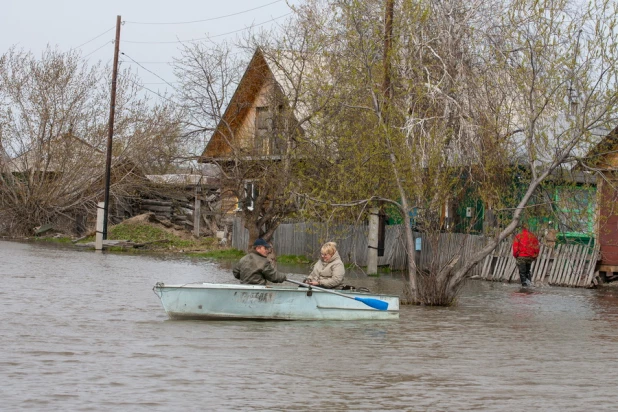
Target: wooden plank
{"points": [[574, 262], [500, 262], [539, 264], [565, 265], [535, 264], [486, 265], [511, 266], [592, 265], [549, 250], [582, 264], [554, 266], [506, 260], [154, 202], [153, 208], [492, 263], [544, 264], [561, 264], [569, 265], [513, 271], [579, 255]]}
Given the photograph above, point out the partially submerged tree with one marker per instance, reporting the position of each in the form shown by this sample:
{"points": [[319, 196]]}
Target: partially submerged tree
{"points": [[557, 63], [459, 95]]}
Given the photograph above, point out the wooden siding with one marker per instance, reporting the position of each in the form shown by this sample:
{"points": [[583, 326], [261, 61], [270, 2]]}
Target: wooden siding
{"points": [[238, 124]]}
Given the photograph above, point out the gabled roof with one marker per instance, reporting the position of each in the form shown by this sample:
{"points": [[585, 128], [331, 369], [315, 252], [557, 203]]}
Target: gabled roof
{"points": [[258, 73], [283, 73]]}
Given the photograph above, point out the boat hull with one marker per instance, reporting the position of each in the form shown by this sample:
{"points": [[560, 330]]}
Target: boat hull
{"points": [[207, 301]]}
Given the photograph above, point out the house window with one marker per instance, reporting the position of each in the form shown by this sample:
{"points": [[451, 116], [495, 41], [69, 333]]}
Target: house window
{"points": [[251, 193], [575, 209], [270, 123], [263, 129], [573, 108]]}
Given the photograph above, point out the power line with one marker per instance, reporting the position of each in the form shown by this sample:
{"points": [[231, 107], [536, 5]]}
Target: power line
{"points": [[152, 91], [168, 62], [96, 50], [150, 71], [171, 62], [206, 38], [94, 38], [210, 19]]}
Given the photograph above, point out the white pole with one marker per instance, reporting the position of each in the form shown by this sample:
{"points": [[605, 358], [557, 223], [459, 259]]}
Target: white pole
{"points": [[98, 242], [372, 242]]}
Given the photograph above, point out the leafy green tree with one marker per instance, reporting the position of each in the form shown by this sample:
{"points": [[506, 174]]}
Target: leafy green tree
{"points": [[462, 95]]}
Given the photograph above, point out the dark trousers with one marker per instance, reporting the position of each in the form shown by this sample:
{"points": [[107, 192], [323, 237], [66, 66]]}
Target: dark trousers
{"points": [[524, 264]]}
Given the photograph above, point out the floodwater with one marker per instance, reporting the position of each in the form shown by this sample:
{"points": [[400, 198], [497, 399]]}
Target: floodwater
{"points": [[83, 331]]}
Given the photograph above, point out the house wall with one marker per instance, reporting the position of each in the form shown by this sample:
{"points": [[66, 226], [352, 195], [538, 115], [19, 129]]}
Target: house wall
{"points": [[247, 128], [238, 124], [607, 214], [607, 222], [245, 135]]}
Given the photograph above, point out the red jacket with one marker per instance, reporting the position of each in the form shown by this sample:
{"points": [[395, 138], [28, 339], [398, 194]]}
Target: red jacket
{"points": [[525, 245]]}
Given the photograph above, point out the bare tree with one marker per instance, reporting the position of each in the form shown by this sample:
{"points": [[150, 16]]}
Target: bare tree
{"points": [[53, 128]]}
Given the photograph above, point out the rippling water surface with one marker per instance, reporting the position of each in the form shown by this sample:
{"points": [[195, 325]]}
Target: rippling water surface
{"points": [[84, 331]]}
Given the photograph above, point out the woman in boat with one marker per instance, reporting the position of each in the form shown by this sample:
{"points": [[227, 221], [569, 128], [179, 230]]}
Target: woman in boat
{"points": [[328, 272]]}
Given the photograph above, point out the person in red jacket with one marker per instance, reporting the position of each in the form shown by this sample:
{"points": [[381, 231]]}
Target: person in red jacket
{"points": [[525, 250]]}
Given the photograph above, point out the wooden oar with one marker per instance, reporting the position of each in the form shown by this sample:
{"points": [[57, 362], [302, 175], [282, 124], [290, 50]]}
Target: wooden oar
{"points": [[374, 303]]}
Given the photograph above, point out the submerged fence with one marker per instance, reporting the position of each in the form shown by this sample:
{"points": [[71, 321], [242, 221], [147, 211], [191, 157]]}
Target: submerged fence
{"points": [[562, 265]]}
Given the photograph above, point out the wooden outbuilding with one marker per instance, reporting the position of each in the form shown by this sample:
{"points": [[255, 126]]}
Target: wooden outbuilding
{"points": [[603, 159]]}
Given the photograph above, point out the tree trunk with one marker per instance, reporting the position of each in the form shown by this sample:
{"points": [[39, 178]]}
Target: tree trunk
{"points": [[254, 233]]}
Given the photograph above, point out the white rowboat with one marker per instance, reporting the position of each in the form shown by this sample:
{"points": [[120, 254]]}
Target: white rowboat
{"points": [[233, 301]]}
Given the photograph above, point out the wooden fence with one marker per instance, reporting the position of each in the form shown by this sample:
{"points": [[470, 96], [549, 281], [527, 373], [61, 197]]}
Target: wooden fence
{"points": [[562, 265], [306, 238]]}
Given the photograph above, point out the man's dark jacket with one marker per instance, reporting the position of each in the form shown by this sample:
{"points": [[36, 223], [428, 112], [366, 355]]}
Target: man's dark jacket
{"points": [[255, 269]]}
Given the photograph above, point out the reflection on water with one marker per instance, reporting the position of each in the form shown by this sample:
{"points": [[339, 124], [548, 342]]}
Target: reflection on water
{"points": [[84, 331]]}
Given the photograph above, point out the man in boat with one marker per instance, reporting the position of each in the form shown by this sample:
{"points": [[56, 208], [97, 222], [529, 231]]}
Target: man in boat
{"points": [[255, 268], [525, 250]]}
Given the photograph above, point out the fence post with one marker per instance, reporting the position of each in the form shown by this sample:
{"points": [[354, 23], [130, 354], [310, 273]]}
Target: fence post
{"points": [[372, 241], [98, 243]]}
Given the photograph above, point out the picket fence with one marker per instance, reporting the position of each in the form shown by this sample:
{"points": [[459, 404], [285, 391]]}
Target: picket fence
{"points": [[563, 265]]}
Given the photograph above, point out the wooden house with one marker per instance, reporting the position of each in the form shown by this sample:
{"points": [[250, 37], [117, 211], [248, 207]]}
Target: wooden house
{"points": [[254, 131]]}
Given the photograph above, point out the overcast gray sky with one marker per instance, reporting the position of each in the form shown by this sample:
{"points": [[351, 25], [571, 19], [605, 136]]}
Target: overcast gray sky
{"points": [[33, 24]]}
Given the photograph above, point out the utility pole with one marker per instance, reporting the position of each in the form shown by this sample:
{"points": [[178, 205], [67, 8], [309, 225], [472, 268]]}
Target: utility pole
{"points": [[110, 135], [374, 212], [388, 36]]}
